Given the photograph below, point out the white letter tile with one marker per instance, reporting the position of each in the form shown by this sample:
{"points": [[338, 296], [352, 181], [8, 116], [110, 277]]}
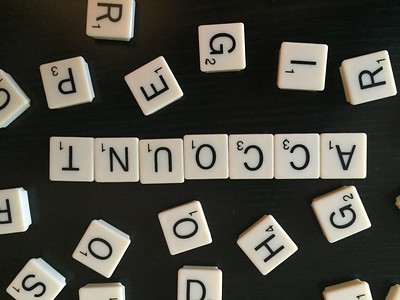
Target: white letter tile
{"points": [[161, 161], [102, 247], [343, 155], [111, 19], [297, 156], [222, 47], [251, 156], [71, 159], [116, 159], [67, 82], [185, 227], [15, 215], [102, 291], [394, 293], [37, 280], [340, 213], [368, 78], [398, 202], [13, 100], [266, 244], [154, 86], [198, 282], [350, 290], [302, 66]]}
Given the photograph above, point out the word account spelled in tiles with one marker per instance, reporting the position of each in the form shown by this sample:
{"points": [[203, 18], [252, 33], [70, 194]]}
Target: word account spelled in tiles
{"points": [[199, 282], [102, 247], [13, 100], [350, 290], [37, 280], [340, 213], [67, 82], [111, 20], [394, 293], [102, 291]]}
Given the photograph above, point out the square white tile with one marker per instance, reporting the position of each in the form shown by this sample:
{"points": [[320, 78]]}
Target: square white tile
{"points": [[206, 156], [102, 247], [154, 86], [251, 156], [67, 82], [343, 155], [354, 289], [266, 244], [394, 293], [116, 159], [185, 227], [37, 280], [340, 213], [13, 100], [102, 291], [15, 215], [71, 159], [297, 156], [302, 66], [222, 47], [368, 77], [111, 20], [199, 282], [161, 161]]}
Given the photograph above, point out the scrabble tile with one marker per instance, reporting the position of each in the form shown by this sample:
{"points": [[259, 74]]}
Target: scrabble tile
{"points": [[37, 280], [368, 77], [222, 47], [340, 213], [154, 86], [102, 291], [206, 156], [199, 282], [398, 201], [394, 293], [351, 290], [343, 155], [302, 66], [13, 100], [297, 156], [116, 159], [67, 82], [185, 227], [15, 215], [102, 247], [111, 19], [251, 156], [71, 159], [161, 161], [266, 244]]}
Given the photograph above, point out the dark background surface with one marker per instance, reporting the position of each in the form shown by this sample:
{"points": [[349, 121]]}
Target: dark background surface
{"points": [[42, 31]]}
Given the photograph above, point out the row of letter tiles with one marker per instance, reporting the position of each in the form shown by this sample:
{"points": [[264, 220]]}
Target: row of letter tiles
{"points": [[351, 290], [209, 156]]}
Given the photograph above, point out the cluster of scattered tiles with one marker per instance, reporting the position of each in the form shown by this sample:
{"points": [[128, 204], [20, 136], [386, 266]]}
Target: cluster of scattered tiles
{"points": [[209, 156]]}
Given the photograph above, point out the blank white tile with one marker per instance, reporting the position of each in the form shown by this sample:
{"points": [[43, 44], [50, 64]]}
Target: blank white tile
{"points": [[302, 66], [368, 77], [67, 82], [71, 159], [37, 280], [102, 247], [266, 244], [343, 155], [297, 156], [15, 215], [340, 213], [199, 282], [394, 293], [251, 156], [185, 227], [116, 159], [13, 100], [222, 47], [154, 86], [354, 289], [206, 156], [111, 19], [161, 161], [102, 291]]}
